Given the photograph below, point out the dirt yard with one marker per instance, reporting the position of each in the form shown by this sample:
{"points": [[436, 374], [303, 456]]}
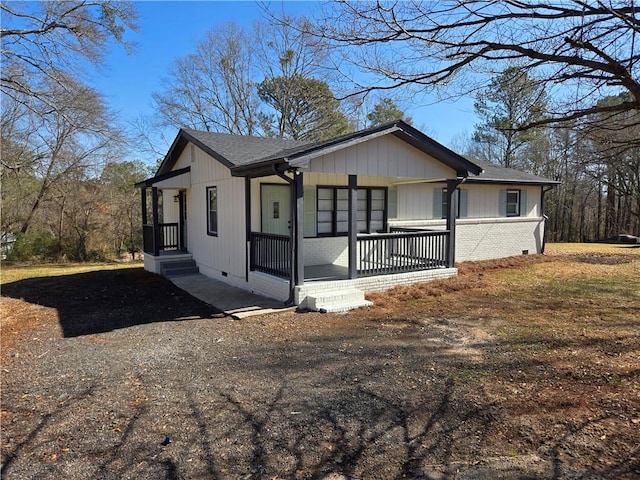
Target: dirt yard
{"points": [[523, 368]]}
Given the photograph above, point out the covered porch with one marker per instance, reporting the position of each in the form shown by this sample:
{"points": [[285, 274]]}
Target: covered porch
{"points": [[162, 238], [398, 251], [390, 251]]}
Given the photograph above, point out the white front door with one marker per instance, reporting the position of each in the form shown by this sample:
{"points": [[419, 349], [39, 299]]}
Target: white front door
{"points": [[275, 203]]}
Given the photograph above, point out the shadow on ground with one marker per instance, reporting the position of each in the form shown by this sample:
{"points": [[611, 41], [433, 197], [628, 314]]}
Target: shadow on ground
{"points": [[97, 302]]}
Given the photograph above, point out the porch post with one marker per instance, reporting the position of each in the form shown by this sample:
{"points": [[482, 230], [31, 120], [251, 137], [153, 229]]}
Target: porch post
{"points": [[452, 203], [143, 193], [299, 228], [156, 221], [247, 227], [353, 225]]}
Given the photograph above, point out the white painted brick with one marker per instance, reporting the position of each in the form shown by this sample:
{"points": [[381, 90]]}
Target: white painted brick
{"points": [[484, 239], [325, 251]]}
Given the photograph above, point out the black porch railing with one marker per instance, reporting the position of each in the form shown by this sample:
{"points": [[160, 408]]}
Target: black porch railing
{"points": [[168, 237], [401, 251], [271, 253]]}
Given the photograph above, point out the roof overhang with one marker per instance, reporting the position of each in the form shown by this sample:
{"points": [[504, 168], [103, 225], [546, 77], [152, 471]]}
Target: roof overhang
{"points": [[499, 181], [300, 157], [180, 142], [176, 179]]}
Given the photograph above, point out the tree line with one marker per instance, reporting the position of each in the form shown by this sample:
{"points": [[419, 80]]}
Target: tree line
{"points": [[556, 89], [597, 163]]}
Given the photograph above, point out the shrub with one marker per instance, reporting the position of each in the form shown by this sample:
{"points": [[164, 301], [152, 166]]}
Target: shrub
{"points": [[35, 246]]}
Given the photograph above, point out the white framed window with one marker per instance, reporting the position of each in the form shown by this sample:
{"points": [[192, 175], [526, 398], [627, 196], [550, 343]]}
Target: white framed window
{"points": [[212, 211], [513, 203], [441, 206]]}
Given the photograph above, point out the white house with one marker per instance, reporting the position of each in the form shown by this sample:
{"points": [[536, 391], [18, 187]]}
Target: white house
{"points": [[318, 224]]}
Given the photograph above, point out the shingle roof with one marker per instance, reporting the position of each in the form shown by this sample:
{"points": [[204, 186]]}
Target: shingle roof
{"points": [[242, 154], [243, 150], [497, 174]]}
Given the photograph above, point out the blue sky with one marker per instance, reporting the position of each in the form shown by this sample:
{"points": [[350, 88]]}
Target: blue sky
{"points": [[171, 29]]}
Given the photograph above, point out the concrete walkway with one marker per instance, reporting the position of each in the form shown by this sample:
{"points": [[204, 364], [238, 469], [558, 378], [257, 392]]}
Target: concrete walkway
{"points": [[231, 300]]}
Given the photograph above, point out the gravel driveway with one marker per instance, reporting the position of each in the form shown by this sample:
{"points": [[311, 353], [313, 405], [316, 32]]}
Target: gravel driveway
{"points": [[97, 388]]}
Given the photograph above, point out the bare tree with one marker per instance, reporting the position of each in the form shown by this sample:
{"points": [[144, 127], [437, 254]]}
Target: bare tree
{"points": [[213, 89], [45, 43], [74, 138], [580, 50]]}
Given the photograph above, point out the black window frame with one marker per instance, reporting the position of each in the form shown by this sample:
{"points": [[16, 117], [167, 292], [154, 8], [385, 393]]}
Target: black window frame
{"points": [[213, 232], [334, 210]]}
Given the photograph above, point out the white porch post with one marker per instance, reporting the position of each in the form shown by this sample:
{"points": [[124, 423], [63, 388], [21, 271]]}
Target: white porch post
{"points": [[353, 226]]}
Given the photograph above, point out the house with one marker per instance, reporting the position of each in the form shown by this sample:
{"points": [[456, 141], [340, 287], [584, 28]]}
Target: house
{"points": [[318, 224], [7, 240]]}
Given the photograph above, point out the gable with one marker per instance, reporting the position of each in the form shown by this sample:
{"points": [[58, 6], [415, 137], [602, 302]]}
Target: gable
{"points": [[385, 155]]}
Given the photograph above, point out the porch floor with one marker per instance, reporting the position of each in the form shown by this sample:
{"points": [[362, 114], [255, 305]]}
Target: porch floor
{"points": [[323, 273]]}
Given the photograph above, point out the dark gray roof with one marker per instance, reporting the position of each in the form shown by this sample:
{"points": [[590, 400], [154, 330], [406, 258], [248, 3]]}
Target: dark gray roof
{"points": [[256, 156], [243, 150], [497, 174], [298, 154]]}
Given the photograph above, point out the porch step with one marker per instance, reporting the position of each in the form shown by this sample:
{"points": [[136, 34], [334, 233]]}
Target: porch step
{"points": [[337, 300], [176, 268]]}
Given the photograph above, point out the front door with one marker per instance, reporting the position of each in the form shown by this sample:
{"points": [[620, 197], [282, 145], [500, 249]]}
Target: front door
{"points": [[275, 204]]}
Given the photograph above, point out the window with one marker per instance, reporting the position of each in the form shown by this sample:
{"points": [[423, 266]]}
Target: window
{"points": [[333, 210], [513, 203], [444, 212], [212, 211]]}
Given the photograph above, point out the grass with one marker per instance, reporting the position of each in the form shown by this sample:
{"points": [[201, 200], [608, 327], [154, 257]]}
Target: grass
{"points": [[599, 248], [15, 272], [539, 352]]}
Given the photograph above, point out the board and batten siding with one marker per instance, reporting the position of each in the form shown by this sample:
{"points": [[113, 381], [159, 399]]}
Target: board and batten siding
{"points": [[225, 252], [310, 182], [385, 156], [416, 201], [170, 209]]}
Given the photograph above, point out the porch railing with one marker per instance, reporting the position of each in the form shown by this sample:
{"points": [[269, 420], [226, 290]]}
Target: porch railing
{"points": [[401, 251], [270, 253], [168, 237]]}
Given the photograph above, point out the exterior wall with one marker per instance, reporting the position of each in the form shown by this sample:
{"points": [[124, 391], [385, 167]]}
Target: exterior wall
{"points": [[382, 156], [484, 239], [225, 253], [415, 201], [170, 209], [481, 232], [487, 238], [326, 250], [309, 180]]}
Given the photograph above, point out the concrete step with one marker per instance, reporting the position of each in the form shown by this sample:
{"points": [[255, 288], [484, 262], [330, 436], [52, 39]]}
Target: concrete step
{"points": [[337, 300], [178, 267]]}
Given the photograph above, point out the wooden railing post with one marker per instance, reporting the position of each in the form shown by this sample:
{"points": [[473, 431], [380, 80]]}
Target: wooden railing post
{"points": [[353, 226]]}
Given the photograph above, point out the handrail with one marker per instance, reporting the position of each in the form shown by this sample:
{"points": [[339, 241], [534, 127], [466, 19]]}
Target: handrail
{"points": [[400, 252], [270, 253]]}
